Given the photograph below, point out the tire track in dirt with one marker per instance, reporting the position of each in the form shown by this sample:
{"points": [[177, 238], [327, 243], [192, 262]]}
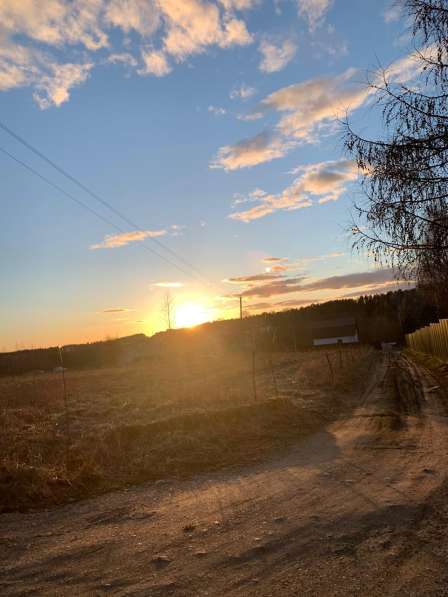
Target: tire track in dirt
{"points": [[328, 519]]}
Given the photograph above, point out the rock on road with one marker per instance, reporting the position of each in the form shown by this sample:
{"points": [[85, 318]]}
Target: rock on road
{"points": [[357, 509]]}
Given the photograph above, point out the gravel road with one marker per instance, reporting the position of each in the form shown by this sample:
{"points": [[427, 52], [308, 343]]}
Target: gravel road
{"points": [[356, 509]]}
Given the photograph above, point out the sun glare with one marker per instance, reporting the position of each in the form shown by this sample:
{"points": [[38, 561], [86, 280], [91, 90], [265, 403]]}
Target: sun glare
{"points": [[191, 314]]}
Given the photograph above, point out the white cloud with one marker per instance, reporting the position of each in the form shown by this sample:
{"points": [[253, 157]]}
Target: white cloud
{"points": [[54, 89], [321, 182], [122, 58], [314, 11], [307, 111], [112, 241], [217, 111], [392, 13], [165, 31], [262, 148], [239, 4], [253, 196], [52, 81], [56, 22], [276, 57], [307, 107], [242, 92], [193, 25], [18, 65], [250, 117], [142, 16], [155, 63]]}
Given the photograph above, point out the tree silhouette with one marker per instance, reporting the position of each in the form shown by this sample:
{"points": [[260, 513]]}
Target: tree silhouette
{"points": [[403, 219], [167, 310]]}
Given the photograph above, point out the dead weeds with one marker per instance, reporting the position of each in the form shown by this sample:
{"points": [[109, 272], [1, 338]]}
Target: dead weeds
{"points": [[160, 420]]}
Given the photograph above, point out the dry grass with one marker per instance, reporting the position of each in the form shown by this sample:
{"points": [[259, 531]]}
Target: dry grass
{"points": [[161, 419], [438, 368]]}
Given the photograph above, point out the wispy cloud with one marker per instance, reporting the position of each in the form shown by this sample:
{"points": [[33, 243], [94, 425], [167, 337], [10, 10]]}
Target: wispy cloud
{"points": [[154, 63], [217, 111], [283, 264], [52, 81], [321, 183], [303, 285], [364, 279], [168, 284], [305, 261], [307, 111], [252, 278], [314, 11], [177, 229], [273, 259], [393, 13], [112, 241], [264, 147], [243, 92], [274, 288], [116, 310], [276, 56], [122, 58]]}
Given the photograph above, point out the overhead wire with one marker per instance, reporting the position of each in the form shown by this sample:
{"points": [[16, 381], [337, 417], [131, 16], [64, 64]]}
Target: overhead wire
{"points": [[101, 200], [88, 208]]}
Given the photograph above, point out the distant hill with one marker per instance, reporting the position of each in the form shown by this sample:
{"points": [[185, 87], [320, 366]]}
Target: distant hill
{"points": [[385, 317]]}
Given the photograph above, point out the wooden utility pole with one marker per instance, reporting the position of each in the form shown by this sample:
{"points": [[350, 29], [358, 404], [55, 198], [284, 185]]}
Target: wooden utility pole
{"points": [[241, 307]]}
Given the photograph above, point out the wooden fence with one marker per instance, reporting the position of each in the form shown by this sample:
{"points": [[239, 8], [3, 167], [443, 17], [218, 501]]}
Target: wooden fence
{"points": [[431, 339]]}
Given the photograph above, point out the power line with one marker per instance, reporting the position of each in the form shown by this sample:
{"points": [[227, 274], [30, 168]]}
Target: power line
{"points": [[88, 208], [95, 196]]}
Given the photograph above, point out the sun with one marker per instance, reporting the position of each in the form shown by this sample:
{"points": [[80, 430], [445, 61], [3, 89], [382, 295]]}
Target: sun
{"points": [[191, 314]]}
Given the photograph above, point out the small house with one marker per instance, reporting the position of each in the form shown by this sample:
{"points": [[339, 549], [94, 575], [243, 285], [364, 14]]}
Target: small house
{"points": [[340, 330]]}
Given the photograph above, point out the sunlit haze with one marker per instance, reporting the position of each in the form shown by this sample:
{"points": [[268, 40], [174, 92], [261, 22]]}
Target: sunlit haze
{"points": [[191, 314], [204, 158]]}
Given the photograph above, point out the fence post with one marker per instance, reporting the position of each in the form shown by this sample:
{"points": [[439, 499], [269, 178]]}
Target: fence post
{"points": [[67, 420], [330, 366], [274, 379]]}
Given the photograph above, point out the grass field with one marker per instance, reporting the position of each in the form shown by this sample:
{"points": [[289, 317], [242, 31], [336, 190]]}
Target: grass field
{"points": [[162, 419]]}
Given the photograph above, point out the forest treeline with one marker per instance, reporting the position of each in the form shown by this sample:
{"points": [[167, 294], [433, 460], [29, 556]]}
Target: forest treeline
{"points": [[379, 318]]}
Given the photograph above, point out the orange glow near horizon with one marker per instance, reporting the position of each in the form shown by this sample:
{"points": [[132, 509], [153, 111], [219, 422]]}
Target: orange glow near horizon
{"points": [[190, 314]]}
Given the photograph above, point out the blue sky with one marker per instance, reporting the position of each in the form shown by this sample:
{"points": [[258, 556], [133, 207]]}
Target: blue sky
{"points": [[213, 126]]}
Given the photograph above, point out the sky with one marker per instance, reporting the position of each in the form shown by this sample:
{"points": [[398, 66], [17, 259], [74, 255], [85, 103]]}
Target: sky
{"points": [[212, 127]]}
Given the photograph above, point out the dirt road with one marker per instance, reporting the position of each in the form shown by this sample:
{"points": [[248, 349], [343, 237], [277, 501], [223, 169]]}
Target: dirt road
{"points": [[357, 509]]}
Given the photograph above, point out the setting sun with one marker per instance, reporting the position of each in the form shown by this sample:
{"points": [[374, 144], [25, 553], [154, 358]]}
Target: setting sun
{"points": [[191, 314]]}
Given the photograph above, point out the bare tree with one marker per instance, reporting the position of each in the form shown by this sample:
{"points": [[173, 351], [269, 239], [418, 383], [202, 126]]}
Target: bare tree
{"points": [[403, 219], [167, 309]]}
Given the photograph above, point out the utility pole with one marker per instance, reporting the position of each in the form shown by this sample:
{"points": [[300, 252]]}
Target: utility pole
{"points": [[241, 307]]}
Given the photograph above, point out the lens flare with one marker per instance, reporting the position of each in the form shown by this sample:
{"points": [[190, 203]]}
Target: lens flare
{"points": [[190, 314]]}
